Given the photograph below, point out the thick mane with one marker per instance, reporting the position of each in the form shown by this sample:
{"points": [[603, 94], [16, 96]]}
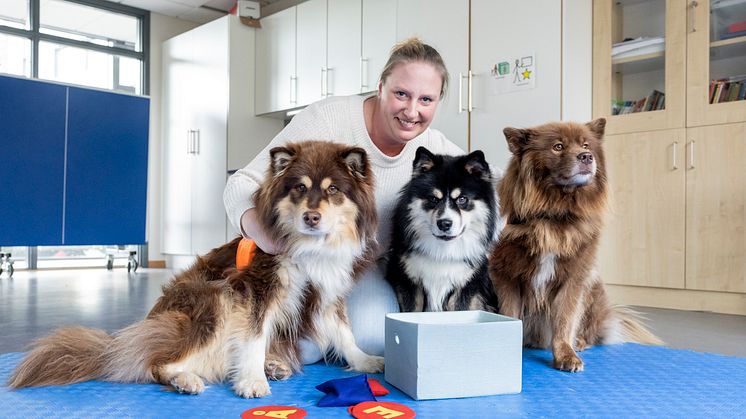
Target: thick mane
{"points": [[547, 216]]}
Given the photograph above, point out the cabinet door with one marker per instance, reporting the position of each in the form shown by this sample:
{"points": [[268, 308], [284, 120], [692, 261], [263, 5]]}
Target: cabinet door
{"points": [[107, 167], [378, 37], [716, 63], [276, 88], [209, 109], [32, 138], [311, 52], [716, 208], [176, 218], [639, 85], [643, 241], [343, 48], [493, 108], [444, 24]]}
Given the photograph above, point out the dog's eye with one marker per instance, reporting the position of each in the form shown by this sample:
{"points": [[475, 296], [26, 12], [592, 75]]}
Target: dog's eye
{"points": [[558, 147], [585, 146], [462, 200], [300, 187], [434, 199], [331, 190]]}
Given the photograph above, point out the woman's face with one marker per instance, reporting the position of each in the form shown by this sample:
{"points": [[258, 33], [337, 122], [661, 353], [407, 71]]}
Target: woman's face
{"points": [[408, 100]]}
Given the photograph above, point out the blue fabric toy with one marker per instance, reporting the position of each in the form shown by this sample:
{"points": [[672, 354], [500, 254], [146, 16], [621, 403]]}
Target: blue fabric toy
{"points": [[346, 391]]}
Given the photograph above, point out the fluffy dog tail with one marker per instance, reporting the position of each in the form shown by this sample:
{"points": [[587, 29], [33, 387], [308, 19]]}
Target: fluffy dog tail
{"points": [[627, 325], [69, 355]]}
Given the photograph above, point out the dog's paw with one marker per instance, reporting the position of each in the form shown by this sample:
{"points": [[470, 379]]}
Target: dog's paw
{"points": [[188, 383], [581, 344], [250, 388], [568, 362], [276, 369], [369, 364]]}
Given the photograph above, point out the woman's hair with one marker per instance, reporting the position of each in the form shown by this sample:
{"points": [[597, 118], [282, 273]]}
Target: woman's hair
{"points": [[414, 50]]}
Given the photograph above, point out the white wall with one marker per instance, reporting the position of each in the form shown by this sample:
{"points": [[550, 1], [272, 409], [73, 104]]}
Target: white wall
{"points": [[161, 28], [577, 60]]}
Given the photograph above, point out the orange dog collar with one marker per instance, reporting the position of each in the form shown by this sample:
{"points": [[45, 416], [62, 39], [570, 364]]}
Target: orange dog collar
{"points": [[245, 252]]}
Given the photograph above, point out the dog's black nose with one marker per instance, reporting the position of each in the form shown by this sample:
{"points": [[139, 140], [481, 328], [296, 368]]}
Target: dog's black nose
{"points": [[312, 218], [585, 157], [445, 224]]}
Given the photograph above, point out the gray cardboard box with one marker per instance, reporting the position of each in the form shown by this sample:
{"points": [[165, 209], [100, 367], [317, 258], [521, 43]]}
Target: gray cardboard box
{"points": [[442, 355]]}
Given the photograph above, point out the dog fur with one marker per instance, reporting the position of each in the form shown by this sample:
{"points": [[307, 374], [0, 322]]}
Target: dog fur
{"points": [[554, 195], [214, 322], [444, 228]]}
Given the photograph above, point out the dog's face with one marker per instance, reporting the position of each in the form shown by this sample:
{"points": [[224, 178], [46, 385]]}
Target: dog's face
{"points": [[566, 154], [451, 199], [320, 190]]}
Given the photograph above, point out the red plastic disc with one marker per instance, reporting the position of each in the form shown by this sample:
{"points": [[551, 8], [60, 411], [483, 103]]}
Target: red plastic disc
{"points": [[275, 412], [378, 410]]}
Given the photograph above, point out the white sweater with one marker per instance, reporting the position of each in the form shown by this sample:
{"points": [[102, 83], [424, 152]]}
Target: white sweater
{"points": [[338, 119]]}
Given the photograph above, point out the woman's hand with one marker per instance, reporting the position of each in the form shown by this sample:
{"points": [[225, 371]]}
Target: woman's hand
{"points": [[252, 229]]}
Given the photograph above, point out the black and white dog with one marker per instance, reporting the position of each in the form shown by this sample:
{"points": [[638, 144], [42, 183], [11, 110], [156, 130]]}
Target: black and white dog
{"points": [[445, 224]]}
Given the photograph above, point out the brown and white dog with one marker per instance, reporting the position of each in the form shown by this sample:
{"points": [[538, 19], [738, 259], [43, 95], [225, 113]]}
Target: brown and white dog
{"points": [[214, 322], [554, 195]]}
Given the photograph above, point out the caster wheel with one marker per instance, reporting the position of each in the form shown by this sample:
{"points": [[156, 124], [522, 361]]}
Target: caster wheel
{"points": [[109, 265]]}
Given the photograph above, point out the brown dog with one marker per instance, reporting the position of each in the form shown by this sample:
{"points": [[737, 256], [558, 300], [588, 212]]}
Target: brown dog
{"points": [[214, 322], [554, 196]]}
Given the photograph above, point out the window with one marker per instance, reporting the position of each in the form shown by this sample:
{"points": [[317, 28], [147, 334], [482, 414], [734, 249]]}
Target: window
{"points": [[86, 42]]}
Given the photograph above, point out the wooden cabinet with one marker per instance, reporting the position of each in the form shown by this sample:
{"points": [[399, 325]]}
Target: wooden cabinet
{"points": [[209, 128], [676, 168]]}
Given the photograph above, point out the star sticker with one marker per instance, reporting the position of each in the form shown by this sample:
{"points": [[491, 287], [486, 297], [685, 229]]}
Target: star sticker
{"points": [[526, 74]]}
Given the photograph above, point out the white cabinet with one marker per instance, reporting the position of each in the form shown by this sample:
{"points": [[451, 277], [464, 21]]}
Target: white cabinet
{"points": [[311, 51], [378, 36], [276, 83], [343, 48], [209, 128]]}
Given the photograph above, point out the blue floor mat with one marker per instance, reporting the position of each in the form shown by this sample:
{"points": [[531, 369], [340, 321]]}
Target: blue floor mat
{"points": [[619, 381]]}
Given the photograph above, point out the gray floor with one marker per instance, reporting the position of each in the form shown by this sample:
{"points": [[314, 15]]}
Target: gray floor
{"points": [[33, 303]]}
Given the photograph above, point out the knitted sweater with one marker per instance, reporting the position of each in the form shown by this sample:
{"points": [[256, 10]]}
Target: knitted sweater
{"points": [[338, 119]]}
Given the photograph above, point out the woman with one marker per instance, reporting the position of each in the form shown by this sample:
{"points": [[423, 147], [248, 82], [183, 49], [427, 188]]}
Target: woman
{"points": [[389, 126]]}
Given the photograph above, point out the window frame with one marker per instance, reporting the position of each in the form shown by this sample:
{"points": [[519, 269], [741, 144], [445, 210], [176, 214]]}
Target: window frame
{"points": [[36, 36]]}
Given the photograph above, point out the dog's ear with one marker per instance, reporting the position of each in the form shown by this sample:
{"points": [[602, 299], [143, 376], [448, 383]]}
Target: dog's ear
{"points": [[517, 139], [424, 160], [477, 166], [597, 127], [281, 159], [356, 160]]}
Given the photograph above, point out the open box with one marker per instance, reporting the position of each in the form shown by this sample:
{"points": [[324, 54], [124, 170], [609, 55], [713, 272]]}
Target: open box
{"points": [[440, 355]]}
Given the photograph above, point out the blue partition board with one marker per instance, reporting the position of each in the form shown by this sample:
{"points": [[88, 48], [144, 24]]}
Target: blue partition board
{"points": [[620, 381], [107, 165], [32, 148]]}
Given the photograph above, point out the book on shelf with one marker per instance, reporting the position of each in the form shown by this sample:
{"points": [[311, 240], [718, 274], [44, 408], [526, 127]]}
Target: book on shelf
{"points": [[653, 102], [730, 35], [737, 27], [729, 89]]}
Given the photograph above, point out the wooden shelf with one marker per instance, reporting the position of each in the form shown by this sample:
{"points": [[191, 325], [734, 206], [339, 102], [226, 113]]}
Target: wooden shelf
{"points": [[636, 58], [639, 63], [726, 42]]}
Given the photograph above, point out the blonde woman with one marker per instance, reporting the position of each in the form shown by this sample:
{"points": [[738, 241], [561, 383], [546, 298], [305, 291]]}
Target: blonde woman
{"points": [[390, 126]]}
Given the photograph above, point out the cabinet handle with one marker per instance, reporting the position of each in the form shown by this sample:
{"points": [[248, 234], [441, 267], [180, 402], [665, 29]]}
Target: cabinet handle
{"points": [[691, 154], [363, 74], [323, 76], [293, 86], [673, 156], [196, 142], [460, 92], [693, 15], [471, 108], [327, 93]]}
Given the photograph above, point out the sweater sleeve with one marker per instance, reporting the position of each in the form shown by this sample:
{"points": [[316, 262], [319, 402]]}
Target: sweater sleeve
{"points": [[238, 195]]}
